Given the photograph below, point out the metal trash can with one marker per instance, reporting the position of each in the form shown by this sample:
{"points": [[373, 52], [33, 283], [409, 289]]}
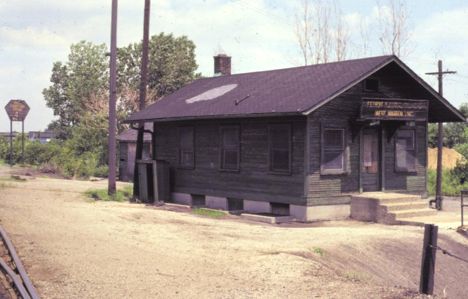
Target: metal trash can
{"points": [[154, 181]]}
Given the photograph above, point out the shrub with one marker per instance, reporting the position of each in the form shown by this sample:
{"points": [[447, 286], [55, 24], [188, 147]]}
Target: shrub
{"points": [[451, 185], [82, 156], [101, 194], [460, 172], [39, 154]]}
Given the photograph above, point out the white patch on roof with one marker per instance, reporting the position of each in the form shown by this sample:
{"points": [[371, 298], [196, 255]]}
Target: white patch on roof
{"points": [[211, 94]]}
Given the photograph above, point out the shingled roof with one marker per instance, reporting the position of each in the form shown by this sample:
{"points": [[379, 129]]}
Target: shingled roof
{"points": [[290, 91], [130, 135]]}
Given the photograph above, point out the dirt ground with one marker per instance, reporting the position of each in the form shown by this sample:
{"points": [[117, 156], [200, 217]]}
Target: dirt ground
{"points": [[76, 248]]}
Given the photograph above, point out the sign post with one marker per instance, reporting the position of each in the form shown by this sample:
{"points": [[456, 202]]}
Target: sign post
{"points": [[17, 110]]}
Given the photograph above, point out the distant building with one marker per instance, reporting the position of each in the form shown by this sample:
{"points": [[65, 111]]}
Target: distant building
{"points": [[127, 149], [7, 134], [42, 137]]}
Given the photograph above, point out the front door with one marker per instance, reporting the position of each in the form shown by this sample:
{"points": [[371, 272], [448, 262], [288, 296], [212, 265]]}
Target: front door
{"points": [[370, 162]]}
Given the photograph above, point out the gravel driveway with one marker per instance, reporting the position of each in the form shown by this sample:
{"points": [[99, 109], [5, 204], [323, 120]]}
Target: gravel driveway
{"points": [[76, 248]]}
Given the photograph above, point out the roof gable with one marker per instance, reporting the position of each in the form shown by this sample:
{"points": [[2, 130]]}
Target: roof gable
{"points": [[284, 91], [290, 91]]}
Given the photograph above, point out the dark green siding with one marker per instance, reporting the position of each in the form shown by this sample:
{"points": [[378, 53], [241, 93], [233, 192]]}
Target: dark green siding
{"points": [[253, 181]]}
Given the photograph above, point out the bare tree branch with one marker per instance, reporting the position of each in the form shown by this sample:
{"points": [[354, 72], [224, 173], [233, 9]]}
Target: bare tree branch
{"points": [[393, 25], [320, 31]]}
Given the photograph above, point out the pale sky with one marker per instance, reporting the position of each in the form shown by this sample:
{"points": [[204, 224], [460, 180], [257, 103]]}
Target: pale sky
{"points": [[258, 34]]}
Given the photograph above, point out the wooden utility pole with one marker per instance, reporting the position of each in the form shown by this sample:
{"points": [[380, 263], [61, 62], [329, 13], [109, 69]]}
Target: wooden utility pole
{"points": [[112, 99], [143, 85], [426, 282], [440, 136]]}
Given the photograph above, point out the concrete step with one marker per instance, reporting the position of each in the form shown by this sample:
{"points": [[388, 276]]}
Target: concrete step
{"points": [[399, 199], [407, 205], [413, 213], [266, 218]]}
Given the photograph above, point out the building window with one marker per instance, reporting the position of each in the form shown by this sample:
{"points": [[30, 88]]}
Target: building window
{"points": [[186, 147], [230, 148], [371, 85], [279, 140], [333, 151], [405, 151]]}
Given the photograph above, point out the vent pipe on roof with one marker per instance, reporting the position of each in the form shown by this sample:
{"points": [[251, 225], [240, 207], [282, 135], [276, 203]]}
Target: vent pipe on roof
{"points": [[222, 65]]}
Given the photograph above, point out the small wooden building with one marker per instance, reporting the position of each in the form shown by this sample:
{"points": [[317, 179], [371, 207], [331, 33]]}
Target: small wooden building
{"points": [[127, 149], [297, 141]]}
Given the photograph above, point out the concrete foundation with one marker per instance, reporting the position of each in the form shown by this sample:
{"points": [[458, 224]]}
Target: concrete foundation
{"points": [[318, 213], [365, 209], [296, 212], [182, 198], [252, 206], [266, 219], [219, 203]]}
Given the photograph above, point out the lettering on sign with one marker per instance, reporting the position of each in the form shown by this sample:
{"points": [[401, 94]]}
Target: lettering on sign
{"points": [[17, 110], [391, 109]]}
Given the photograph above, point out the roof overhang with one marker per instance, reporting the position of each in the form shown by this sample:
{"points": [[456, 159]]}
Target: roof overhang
{"points": [[223, 116]]}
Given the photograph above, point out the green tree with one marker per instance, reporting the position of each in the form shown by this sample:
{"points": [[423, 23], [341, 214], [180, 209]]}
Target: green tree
{"points": [[171, 65], [74, 83], [455, 134], [78, 95]]}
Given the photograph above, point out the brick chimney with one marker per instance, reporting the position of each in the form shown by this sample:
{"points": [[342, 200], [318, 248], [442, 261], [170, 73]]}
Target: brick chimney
{"points": [[222, 65]]}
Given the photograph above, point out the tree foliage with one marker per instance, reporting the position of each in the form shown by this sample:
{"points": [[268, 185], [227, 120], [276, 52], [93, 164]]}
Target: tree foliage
{"points": [[78, 94], [171, 65], [455, 134], [74, 82]]}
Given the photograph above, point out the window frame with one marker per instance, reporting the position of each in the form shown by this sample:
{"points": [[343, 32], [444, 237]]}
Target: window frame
{"points": [[337, 171], [289, 148], [222, 148], [414, 152], [180, 148]]}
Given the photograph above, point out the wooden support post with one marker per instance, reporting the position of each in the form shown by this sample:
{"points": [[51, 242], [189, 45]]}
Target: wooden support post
{"points": [[382, 158], [361, 155], [22, 141], [440, 136], [426, 285], [11, 143], [463, 205], [142, 98], [138, 156], [112, 158]]}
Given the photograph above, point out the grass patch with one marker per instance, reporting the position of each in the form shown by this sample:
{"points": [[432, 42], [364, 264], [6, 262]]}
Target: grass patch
{"points": [[208, 213], [355, 276], [451, 185], [318, 251], [4, 185], [101, 194]]}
